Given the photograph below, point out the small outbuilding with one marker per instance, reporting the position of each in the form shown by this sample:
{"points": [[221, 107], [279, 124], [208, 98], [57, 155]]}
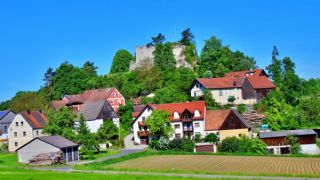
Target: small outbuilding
{"points": [[48, 145]]}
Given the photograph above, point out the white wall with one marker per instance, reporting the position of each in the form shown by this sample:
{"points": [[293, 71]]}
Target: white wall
{"points": [[200, 129], [93, 125], [310, 149], [135, 126], [196, 91], [178, 130]]}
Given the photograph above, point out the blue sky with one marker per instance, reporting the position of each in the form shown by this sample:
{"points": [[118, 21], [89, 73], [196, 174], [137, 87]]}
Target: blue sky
{"points": [[37, 34]]}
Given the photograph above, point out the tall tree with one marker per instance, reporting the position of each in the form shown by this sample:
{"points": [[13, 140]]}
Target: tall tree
{"points": [[125, 115], [164, 58], [61, 123], [48, 76], [89, 68], [187, 37], [159, 39], [107, 132], [275, 68], [85, 138], [121, 61], [159, 124]]}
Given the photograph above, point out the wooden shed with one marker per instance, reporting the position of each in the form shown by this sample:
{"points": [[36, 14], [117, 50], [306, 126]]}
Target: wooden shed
{"points": [[47, 145]]}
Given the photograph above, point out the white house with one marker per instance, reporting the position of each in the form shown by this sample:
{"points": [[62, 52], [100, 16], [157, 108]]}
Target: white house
{"points": [[25, 127], [6, 117], [247, 87]]}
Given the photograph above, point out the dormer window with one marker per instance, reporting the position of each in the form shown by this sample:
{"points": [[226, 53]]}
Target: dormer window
{"points": [[176, 115], [196, 113]]}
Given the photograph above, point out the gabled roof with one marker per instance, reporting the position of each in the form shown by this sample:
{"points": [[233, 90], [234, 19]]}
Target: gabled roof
{"points": [[137, 110], [256, 72], [92, 110], [56, 141], [285, 133], [35, 119], [261, 82], [181, 107], [221, 83], [215, 119], [88, 95]]}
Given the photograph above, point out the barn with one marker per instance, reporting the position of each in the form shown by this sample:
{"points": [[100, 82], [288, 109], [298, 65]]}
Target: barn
{"points": [[276, 141], [48, 145]]}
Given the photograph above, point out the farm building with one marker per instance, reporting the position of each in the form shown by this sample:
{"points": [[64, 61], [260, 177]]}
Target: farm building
{"points": [[48, 145], [6, 117], [276, 141]]}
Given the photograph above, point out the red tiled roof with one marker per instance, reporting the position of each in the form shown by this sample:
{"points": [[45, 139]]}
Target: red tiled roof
{"points": [[256, 72], [221, 83], [89, 95], [215, 118], [181, 107], [36, 119], [261, 82]]}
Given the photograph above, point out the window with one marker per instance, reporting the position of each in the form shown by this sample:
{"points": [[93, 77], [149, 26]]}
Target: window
{"points": [[220, 92], [143, 118], [111, 102], [178, 135], [16, 144], [24, 133], [196, 124], [196, 113], [15, 134], [176, 115], [177, 126], [21, 123], [17, 124], [5, 127], [37, 132]]}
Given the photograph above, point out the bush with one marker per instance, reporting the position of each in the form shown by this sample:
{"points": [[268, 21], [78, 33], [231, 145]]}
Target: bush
{"points": [[212, 137], [229, 144], [231, 99], [159, 144], [197, 138], [295, 147], [4, 148], [241, 108], [182, 144]]}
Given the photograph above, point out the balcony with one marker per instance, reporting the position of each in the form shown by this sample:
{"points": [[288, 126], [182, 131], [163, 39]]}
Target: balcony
{"points": [[143, 133], [185, 128]]}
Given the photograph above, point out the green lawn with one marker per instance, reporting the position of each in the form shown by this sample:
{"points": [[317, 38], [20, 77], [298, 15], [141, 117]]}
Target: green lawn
{"points": [[10, 169], [110, 152], [318, 142]]}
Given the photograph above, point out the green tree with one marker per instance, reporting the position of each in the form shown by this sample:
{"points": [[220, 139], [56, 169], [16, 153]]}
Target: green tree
{"points": [[125, 115], [85, 138], [295, 147], [108, 132], [229, 144], [275, 68], [61, 123], [164, 58], [159, 124], [149, 79], [211, 103], [4, 105], [89, 68], [48, 76], [187, 37], [121, 61], [27, 100], [212, 137], [310, 111], [159, 39]]}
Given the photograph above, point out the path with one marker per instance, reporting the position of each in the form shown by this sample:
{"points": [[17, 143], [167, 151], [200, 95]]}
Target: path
{"points": [[204, 176]]}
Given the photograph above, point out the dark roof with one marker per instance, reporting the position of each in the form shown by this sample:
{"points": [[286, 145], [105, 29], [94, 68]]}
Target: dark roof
{"points": [[286, 133], [4, 113], [93, 110], [35, 119], [56, 141]]}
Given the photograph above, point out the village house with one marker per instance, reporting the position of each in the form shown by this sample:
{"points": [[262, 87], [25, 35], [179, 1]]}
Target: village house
{"points": [[110, 95], [6, 117], [276, 141], [247, 87], [43, 150], [25, 127], [191, 118]]}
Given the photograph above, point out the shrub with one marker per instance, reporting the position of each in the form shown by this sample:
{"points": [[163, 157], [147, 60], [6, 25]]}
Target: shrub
{"points": [[295, 147], [197, 138], [175, 144], [182, 144], [231, 99], [241, 108], [212, 137], [229, 144], [4, 148]]}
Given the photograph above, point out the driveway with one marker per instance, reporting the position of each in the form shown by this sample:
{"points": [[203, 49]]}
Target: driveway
{"points": [[129, 144]]}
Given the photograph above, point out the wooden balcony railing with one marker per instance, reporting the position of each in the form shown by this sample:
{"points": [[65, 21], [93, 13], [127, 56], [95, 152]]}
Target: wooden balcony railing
{"points": [[143, 133]]}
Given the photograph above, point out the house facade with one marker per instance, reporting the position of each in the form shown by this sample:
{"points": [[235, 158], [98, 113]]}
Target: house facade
{"points": [[6, 117], [191, 118], [25, 127], [110, 95], [247, 87], [276, 141], [48, 145]]}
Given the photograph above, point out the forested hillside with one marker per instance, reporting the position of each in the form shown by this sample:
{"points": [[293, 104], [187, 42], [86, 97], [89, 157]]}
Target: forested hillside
{"points": [[294, 104]]}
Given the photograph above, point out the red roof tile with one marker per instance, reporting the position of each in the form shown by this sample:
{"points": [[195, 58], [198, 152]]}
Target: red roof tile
{"points": [[261, 82], [181, 107], [256, 72], [221, 83], [36, 119], [215, 118]]}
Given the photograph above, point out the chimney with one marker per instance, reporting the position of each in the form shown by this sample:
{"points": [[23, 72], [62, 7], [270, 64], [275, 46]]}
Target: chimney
{"points": [[234, 83], [28, 111], [40, 111]]}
